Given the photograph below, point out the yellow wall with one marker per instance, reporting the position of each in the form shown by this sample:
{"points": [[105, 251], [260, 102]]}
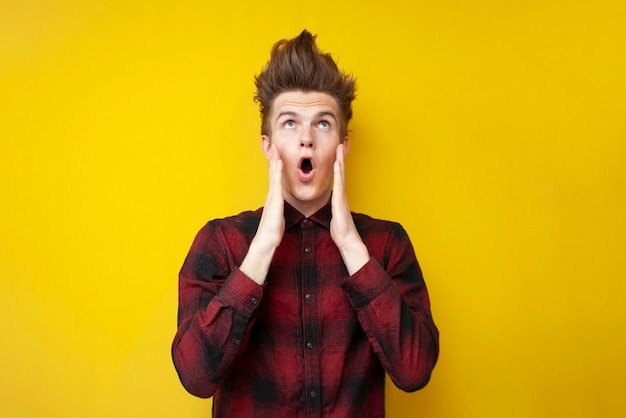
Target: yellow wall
{"points": [[494, 131]]}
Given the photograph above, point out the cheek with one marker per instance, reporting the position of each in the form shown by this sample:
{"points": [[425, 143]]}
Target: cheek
{"points": [[287, 154], [330, 155], [326, 166]]}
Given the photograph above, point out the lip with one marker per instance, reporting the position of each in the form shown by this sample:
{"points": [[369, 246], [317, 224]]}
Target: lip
{"points": [[306, 177]]}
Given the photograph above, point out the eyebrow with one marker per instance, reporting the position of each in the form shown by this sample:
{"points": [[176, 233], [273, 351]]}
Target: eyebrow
{"points": [[281, 114], [317, 115], [327, 113]]}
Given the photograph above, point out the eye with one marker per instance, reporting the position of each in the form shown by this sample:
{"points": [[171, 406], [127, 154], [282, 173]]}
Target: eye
{"points": [[324, 124], [289, 124]]}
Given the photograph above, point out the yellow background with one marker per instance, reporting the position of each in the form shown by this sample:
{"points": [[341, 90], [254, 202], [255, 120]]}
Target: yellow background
{"points": [[494, 131]]}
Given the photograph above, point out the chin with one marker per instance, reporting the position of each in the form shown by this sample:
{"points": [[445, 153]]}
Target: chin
{"points": [[306, 197], [306, 194]]}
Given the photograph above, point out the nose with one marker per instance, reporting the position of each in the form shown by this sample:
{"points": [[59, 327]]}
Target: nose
{"points": [[307, 139]]}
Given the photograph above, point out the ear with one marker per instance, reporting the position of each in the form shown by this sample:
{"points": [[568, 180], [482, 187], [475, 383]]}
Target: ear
{"points": [[266, 143]]}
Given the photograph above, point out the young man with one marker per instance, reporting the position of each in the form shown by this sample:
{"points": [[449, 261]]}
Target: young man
{"points": [[299, 309]]}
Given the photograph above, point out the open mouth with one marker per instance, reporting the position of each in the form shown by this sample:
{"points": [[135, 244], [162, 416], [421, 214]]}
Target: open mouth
{"points": [[306, 170], [306, 166]]}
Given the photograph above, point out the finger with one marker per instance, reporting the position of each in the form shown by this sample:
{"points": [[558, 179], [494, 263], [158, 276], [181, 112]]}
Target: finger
{"points": [[340, 153], [278, 176], [339, 171], [276, 170], [272, 162], [278, 162], [273, 154]]}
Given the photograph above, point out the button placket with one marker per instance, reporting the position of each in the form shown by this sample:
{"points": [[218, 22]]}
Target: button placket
{"points": [[310, 337]]}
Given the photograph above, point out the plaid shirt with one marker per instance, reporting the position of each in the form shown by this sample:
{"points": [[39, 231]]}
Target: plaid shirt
{"points": [[312, 341]]}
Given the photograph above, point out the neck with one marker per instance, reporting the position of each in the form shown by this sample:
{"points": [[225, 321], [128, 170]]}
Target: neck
{"points": [[307, 207]]}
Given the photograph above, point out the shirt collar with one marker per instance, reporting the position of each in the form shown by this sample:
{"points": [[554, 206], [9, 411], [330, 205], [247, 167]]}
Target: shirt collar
{"points": [[321, 217]]}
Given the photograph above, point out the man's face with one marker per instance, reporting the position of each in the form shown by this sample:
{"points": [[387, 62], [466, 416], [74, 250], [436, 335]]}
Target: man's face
{"points": [[305, 128]]}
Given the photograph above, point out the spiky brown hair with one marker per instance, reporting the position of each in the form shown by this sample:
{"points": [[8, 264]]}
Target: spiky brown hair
{"points": [[298, 64]]}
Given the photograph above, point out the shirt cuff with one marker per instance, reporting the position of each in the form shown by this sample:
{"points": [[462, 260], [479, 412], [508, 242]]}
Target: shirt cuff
{"points": [[241, 293], [366, 284]]}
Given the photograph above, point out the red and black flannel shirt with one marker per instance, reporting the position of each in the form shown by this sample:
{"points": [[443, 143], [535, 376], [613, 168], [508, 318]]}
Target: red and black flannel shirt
{"points": [[312, 341]]}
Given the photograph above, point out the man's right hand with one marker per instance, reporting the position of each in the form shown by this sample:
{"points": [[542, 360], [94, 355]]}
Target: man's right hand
{"points": [[257, 262]]}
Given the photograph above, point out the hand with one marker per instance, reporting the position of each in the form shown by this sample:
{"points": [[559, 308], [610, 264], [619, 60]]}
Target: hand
{"points": [[342, 228], [271, 226]]}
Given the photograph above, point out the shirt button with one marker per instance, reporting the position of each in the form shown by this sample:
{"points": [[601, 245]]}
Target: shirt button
{"points": [[307, 250], [306, 221], [309, 345], [308, 297], [254, 301], [313, 394], [237, 341]]}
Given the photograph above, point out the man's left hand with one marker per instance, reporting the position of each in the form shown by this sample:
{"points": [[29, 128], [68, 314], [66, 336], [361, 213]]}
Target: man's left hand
{"points": [[342, 228]]}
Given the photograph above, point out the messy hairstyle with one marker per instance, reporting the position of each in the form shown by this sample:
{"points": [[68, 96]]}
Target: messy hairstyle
{"points": [[298, 64]]}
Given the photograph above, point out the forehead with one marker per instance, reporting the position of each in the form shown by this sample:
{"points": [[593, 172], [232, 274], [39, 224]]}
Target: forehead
{"points": [[305, 103]]}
